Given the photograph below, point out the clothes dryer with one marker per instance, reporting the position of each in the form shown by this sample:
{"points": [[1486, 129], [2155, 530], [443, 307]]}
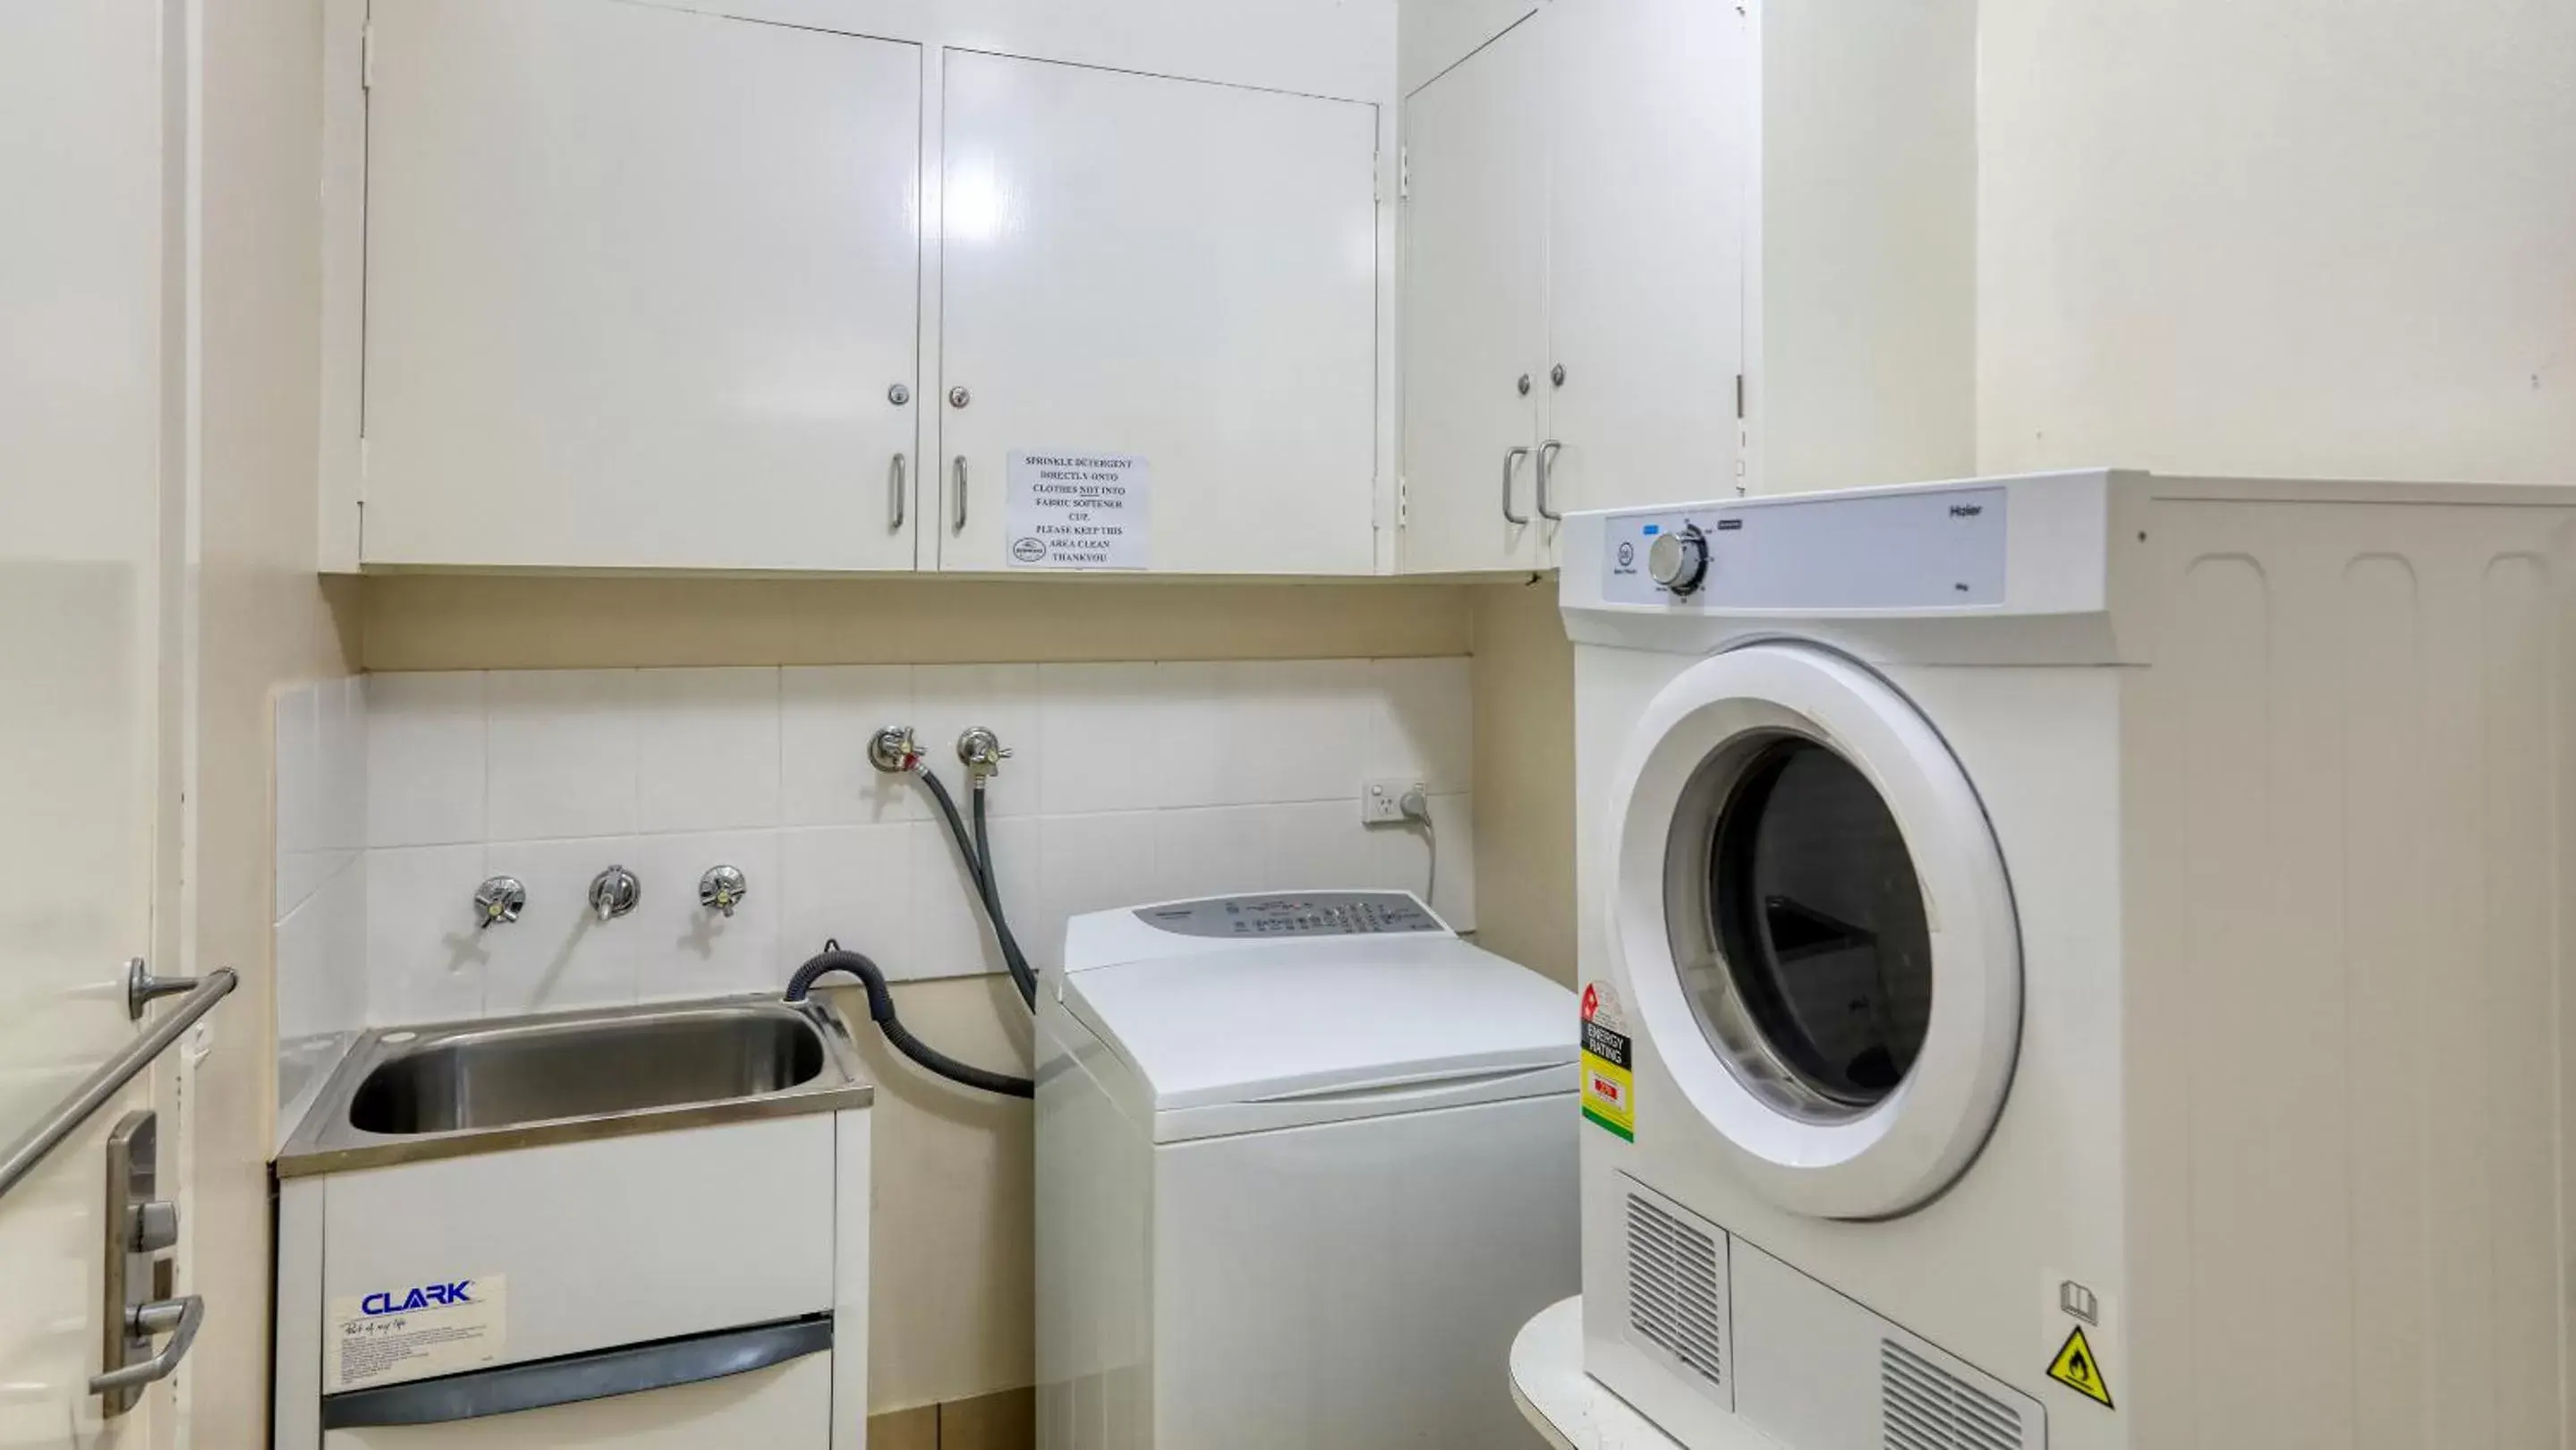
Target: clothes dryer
{"points": [[2077, 960]]}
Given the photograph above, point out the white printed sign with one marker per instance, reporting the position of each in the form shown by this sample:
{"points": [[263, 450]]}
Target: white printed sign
{"points": [[416, 1331], [1079, 510]]}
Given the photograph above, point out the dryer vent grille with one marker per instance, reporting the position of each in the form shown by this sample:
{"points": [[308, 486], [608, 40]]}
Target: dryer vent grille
{"points": [[1926, 1407], [1673, 1296]]}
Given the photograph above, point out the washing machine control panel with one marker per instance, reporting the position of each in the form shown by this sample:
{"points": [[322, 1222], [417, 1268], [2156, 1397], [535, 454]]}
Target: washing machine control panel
{"points": [[1904, 549], [1303, 913]]}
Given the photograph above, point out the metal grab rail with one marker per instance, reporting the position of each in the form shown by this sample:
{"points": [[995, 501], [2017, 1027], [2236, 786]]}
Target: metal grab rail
{"points": [[112, 1076]]}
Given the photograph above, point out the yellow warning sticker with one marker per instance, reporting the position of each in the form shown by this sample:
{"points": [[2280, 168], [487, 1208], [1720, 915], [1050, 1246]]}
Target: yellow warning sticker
{"points": [[2076, 1368], [1609, 1082]]}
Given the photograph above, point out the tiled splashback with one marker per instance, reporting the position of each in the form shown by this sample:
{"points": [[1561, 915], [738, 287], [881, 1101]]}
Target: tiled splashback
{"points": [[1129, 782]]}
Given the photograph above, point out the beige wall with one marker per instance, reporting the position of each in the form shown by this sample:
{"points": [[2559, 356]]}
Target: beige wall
{"points": [[262, 618], [1524, 776], [451, 622], [2290, 239], [951, 1312]]}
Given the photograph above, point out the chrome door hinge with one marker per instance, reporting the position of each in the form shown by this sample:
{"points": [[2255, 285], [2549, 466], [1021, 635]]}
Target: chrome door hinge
{"points": [[1403, 501], [367, 56], [1403, 173]]}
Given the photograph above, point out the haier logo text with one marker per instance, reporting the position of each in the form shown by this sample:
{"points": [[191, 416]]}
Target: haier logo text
{"points": [[1966, 510], [427, 1296]]}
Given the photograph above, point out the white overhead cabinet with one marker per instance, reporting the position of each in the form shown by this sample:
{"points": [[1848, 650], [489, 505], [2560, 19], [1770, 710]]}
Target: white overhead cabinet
{"points": [[1648, 142], [1474, 339], [1654, 248], [1175, 272], [1573, 247], [641, 290]]}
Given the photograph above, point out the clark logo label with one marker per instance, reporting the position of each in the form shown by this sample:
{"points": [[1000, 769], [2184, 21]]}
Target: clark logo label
{"points": [[426, 1296], [440, 1327]]}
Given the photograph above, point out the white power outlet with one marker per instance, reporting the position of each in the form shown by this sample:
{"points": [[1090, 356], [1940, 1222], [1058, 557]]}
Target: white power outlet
{"points": [[1381, 800]]}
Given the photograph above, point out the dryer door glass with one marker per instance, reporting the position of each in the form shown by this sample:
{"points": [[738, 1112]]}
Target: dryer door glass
{"points": [[1818, 921]]}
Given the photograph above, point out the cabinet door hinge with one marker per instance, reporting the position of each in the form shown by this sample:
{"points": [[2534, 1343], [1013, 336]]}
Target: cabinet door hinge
{"points": [[1403, 173], [1403, 501], [1739, 397], [367, 56]]}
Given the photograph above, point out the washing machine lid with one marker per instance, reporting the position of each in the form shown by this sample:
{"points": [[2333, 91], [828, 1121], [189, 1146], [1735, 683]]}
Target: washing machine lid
{"points": [[1338, 1024]]}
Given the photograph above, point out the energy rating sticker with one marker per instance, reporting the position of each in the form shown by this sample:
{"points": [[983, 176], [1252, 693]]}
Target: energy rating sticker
{"points": [[2076, 1368], [1609, 1081]]}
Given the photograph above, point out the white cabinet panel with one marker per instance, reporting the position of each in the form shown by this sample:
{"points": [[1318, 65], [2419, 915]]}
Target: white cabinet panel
{"points": [[618, 1240], [1647, 133], [1171, 269], [786, 1407], [638, 284], [1474, 309], [1433, 35]]}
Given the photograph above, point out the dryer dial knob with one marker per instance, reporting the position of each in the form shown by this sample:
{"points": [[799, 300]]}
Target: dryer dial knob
{"points": [[1679, 562]]}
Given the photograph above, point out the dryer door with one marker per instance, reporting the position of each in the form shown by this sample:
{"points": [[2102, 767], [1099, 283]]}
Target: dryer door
{"points": [[1813, 922]]}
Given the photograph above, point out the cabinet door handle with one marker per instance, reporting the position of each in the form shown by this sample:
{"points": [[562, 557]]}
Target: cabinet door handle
{"points": [[1511, 460], [1546, 458], [178, 1318], [894, 495], [958, 470]]}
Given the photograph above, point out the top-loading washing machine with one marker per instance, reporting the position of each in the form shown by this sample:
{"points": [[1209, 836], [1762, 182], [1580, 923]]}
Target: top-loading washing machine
{"points": [[1305, 1163], [2078, 961]]}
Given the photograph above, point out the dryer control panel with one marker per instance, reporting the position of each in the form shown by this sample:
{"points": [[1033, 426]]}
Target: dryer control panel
{"points": [[1304, 913], [1911, 549]]}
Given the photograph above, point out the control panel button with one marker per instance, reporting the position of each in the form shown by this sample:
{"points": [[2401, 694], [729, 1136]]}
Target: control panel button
{"points": [[1679, 560], [1325, 913]]}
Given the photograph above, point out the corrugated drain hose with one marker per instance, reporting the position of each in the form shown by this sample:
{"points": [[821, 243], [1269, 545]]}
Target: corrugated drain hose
{"points": [[881, 1011]]}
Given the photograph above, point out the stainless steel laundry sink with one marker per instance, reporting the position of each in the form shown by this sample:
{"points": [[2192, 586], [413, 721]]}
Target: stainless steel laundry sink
{"points": [[406, 1094]]}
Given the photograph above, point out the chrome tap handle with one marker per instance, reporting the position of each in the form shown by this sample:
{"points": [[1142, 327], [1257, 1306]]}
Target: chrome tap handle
{"points": [[614, 892], [722, 889]]}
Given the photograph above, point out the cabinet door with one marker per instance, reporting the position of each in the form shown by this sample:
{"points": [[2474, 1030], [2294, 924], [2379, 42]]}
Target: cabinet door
{"points": [[1173, 271], [1474, 293], [1648, 138], [639, 281]]}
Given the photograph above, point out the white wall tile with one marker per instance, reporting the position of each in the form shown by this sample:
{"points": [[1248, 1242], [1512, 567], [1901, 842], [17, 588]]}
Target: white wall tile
{"points": [[949, 937], [1096, 733], [1132, 782], [425, 960], [1319, 846], [559, 955], [302, 957], [1194, 759], [308, 999], [688, 950], [850, 883], [342, 707], [1425, 722], [706, 749], [1211, 851], [1400, 857], [1300, 728], [946, 699], [340, 985], [1086, 863], [562, 754], [827, 716], [425, 748]]}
